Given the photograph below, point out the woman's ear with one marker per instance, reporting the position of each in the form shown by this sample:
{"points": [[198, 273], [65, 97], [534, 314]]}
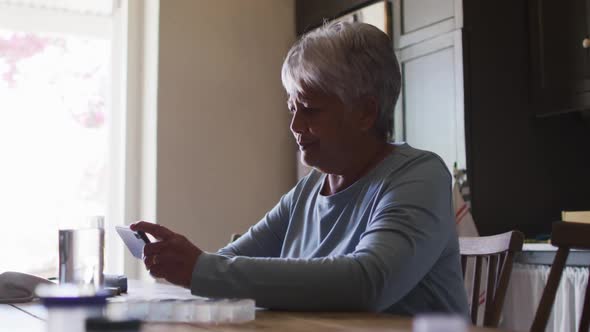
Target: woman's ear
{"points": [[369, 113]]}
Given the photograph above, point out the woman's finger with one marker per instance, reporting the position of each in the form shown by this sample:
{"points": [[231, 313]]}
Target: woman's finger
{"points": [[158, 271], [163, 270], [155, 248], [161, 259], [158, 231], [149, 262]]}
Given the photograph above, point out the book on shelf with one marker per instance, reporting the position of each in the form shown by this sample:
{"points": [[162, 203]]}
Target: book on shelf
{"points": [[576, 216]]}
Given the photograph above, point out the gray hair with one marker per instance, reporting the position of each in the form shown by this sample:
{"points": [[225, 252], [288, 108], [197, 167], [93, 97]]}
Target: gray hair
{"points": [[350, 61]]}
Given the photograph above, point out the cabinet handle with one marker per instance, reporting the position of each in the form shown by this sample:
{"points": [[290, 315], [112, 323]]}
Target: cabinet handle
{"points": [[586, 43]]}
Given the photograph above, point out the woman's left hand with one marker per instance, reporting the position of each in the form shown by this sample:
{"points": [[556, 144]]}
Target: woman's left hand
{"points": [[173, 257]]}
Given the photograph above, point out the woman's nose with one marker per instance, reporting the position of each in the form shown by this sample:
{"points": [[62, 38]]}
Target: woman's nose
{"points": [[297, 123]]}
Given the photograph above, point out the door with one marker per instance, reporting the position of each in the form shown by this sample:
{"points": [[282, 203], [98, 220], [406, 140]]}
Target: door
{"points": [[430, 111]]}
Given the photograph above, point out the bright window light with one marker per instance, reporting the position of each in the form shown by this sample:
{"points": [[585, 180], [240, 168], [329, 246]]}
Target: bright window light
{"points": [[55, 91]]}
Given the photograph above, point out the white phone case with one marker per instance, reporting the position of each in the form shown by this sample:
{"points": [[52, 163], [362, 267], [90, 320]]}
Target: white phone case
{"points": [[132, 240]]}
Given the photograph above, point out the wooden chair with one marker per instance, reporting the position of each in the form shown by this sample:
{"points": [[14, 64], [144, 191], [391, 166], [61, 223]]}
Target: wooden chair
{"points": [[499, 252], [234, 237], [565, 236]]}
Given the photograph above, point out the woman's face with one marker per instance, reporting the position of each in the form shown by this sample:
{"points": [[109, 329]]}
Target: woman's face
{"points": [[325, 130]]}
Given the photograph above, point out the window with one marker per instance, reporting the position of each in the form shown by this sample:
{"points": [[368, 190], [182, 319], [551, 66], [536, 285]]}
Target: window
{"points": [[56, 125]]}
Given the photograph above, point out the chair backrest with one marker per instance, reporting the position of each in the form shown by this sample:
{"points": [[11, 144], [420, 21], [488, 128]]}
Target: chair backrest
{"points": [[498, 252], [565, 236], [234, 237]]}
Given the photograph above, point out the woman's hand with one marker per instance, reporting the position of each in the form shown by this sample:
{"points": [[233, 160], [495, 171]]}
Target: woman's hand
{"points": [[173, 257]]}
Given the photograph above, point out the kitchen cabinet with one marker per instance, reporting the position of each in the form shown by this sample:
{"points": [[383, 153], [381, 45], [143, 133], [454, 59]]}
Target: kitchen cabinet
{"points": [[560, 55]]}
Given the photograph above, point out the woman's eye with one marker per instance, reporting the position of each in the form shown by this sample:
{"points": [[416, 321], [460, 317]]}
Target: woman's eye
{"points": [[305, 110]]}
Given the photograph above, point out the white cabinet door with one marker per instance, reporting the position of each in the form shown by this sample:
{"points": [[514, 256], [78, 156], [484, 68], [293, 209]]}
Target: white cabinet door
{"points": [[419, 20], [430, 112], [418, 14]]}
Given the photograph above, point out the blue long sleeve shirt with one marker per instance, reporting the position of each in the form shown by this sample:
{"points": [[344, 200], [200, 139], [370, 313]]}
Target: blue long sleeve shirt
{"points": [[386, 243]]}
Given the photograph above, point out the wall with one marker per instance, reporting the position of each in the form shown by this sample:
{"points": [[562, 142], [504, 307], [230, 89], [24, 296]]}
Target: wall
{"points": [[225, 154], [311, 13]]}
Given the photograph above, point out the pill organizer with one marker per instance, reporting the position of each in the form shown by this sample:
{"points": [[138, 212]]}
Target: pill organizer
{"points": [[200, 310]]}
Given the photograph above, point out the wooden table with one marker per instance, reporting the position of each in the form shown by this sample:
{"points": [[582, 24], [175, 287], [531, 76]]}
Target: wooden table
{"points": [[309, 322], [30, 317]]}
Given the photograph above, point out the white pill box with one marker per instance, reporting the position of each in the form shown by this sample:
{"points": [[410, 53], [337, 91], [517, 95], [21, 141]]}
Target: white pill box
{"points": [[210, 311]]}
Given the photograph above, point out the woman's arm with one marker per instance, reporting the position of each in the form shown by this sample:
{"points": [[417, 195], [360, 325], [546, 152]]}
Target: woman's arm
{"points": [[400, 246], [265, 239]]}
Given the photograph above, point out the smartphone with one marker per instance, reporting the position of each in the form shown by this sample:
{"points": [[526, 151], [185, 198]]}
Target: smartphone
{"points": [[135, 241]]}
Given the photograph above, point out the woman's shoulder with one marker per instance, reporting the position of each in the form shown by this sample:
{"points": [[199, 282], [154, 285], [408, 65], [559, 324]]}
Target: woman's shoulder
{"points": [[406, 160]]}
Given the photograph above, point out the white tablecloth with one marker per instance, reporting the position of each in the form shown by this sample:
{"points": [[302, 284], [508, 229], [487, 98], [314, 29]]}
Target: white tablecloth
{"points": [[526, 288]]}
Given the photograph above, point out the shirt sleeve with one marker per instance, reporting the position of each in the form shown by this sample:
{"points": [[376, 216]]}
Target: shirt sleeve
{"points": [[408, 231], [264, 239]]}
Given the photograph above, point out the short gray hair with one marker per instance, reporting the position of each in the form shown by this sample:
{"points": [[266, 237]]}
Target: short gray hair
{"points": [[349, 60]]}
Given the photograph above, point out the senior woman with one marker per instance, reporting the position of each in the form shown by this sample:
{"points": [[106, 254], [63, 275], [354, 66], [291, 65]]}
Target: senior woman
{"points": [[371, 228]]}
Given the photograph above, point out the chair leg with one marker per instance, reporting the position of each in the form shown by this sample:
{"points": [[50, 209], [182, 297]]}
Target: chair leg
{"points": [[475, 295], [463, 265], [548, 297], [502, 287], [490, 306]]}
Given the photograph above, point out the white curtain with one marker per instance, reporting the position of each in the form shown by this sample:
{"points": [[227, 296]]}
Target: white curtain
{"points": [[90, 7], [524, 294]]}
